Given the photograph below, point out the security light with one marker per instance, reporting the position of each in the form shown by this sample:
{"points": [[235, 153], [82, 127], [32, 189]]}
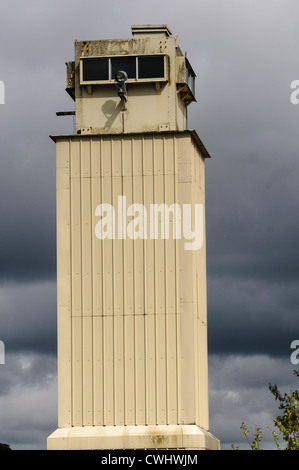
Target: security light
{"points": [[120, 81], [121, 77]]}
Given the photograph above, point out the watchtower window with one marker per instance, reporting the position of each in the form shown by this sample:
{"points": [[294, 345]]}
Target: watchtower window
{"points": [[151, 67], [190, 77], [95, 69], [128, 64], [138, 68]]}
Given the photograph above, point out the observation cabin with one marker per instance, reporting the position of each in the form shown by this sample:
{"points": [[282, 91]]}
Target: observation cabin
{"points": [[141, 84]]}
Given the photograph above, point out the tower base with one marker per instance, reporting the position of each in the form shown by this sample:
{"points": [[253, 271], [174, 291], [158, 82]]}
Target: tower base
{"points": [[132, 437]]}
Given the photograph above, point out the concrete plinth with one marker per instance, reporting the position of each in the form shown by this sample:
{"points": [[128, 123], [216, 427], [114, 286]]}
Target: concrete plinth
{"points": [[132, 437]]}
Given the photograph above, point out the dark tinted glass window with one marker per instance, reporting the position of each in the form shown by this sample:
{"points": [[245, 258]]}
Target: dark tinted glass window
{"points": [[127, 64], [151, 67], [190, 78], [95, 69]]}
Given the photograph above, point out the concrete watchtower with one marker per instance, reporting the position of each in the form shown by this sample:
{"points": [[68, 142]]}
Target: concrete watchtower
{"points": [[131, 273]]}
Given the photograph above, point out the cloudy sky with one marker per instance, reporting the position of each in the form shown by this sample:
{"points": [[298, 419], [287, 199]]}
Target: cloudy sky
{"points": [[245, 54]]}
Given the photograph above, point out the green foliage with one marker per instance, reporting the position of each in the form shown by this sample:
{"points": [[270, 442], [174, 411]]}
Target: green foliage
{"points": [[287, 423], [4, 447]]}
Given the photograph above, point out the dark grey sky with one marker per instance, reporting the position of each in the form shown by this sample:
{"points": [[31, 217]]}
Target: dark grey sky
{"points": [[245, 55]]}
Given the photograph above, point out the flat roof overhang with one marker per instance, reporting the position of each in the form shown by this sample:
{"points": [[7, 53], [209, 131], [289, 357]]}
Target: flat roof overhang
{"points": [[197, 141]]}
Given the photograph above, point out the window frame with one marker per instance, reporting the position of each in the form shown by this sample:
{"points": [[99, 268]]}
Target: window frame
{"points": [[130, 80], [190, 76]]}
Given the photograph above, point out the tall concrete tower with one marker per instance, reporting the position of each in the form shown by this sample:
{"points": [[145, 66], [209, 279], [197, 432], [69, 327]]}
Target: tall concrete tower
{"points": [[131, 262]]}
